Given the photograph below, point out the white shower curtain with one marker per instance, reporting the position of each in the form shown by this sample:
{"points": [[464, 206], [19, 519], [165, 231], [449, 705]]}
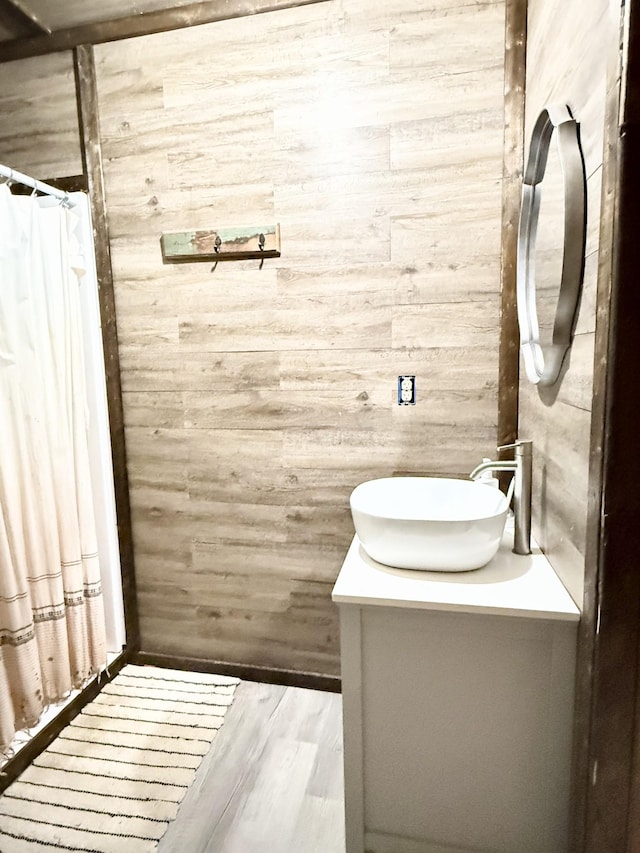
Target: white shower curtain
{"points": [[52, 633]]}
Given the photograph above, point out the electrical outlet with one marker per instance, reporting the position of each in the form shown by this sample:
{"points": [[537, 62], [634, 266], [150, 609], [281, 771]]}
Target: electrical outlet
{"points": [[406, 390]]}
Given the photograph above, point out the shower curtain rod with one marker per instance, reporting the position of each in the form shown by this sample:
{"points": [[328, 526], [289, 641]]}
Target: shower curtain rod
{"points": [[40, 186]]}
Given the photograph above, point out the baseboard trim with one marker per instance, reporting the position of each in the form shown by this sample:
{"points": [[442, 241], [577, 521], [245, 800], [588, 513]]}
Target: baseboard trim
{"points": [[40, 741], [382, 842], [267, 675]]}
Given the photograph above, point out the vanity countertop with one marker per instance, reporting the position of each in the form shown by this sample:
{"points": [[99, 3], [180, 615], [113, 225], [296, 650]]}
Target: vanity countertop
{"points": [[509, 585]]}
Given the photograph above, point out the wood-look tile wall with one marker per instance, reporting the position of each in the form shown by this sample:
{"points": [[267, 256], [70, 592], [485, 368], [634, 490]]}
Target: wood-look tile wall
{"points": [[256, 399], [39, 117], [568, 47]]}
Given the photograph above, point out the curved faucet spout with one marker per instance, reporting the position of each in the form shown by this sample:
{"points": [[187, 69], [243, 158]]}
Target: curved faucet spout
{"points": [[521, 465], [500, 465]]}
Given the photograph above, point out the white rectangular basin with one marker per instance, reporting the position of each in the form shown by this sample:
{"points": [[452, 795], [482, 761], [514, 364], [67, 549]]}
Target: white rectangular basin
{"points": [[429, 523]]}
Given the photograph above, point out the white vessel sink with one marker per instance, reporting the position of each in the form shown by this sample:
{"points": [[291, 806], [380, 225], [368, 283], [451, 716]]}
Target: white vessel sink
{"points": [[429, 523]]}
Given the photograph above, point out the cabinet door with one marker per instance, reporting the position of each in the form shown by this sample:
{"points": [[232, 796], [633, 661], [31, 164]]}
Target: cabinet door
{"points": [[457, 730]]}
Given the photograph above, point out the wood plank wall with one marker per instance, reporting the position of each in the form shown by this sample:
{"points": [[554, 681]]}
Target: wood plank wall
{"points": [[256, 399], [38, 116], [568, 48]]}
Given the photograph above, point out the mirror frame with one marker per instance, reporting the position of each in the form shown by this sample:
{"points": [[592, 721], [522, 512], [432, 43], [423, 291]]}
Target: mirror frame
{"points": [[543, 363]]}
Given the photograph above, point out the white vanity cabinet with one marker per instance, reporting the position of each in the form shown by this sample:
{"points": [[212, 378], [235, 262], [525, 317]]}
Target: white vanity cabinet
{"points": [[458, 706]]}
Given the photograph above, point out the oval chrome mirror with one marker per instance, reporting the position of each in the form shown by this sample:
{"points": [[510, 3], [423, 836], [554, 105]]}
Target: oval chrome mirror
{"points": [[543, 360]]}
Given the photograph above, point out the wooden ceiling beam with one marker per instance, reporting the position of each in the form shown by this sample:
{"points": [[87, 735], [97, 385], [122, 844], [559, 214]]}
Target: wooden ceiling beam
{"points": [[204, 12], [17, 15]]}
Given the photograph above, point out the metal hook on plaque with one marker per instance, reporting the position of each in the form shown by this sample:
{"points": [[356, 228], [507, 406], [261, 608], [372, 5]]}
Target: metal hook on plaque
{"points": [[216, 248]]}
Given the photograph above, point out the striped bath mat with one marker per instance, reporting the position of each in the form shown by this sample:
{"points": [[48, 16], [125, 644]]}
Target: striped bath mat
{"points": [[113, 780]]}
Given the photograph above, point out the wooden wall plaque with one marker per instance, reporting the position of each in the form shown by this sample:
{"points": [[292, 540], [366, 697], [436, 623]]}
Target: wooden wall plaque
{"points": [[225, 244]]}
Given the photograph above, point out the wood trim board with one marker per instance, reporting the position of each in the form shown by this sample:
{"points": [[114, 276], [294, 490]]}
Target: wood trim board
{"points": [[513, 164], [204, 12], [606, 795], [88, 110], [267, 675], [586, 663]]}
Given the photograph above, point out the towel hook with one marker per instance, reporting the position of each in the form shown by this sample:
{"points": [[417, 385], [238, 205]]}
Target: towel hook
{"points": [[216, 248]]}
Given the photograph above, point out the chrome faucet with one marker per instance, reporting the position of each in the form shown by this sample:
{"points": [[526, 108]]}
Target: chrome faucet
{"points": [[521, 467]]}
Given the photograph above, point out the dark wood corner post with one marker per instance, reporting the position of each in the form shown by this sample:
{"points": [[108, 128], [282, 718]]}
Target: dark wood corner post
{"points": [[513, 164], [87, 94], [606, 779]]}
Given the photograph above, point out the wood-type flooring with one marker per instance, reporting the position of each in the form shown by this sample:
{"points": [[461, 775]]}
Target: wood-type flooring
{"points": [[272, 781]]}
